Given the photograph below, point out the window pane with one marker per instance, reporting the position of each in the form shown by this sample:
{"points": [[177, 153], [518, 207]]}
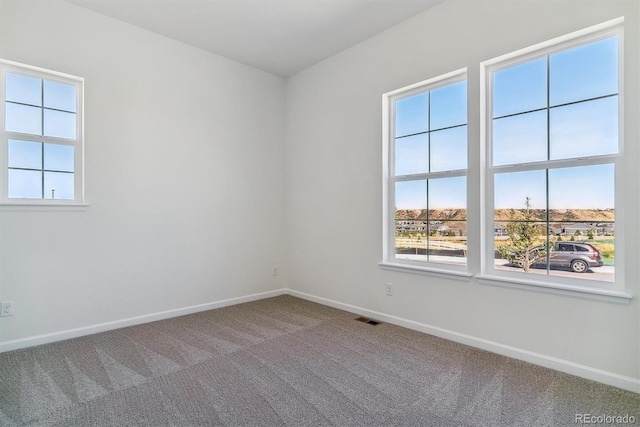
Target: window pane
{"points": [[412, 114], [436, 236], [23, 89], [449, 106], [412, 155], [24, 154], [592, 254], [520, 88], [58, 157], [584, 72], [59, 96], [449, 149], [520, 139], [58, 185], [25, 184], [411, 235], [582, 189], [23, 119], [591, 258], [582, 213], [59, 124], [520, 221], [410, 220], [512, 191], [584, 129], [447, 242], [411, 194]]}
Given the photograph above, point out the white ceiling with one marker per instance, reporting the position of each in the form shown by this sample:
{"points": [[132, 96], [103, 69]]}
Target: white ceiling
{"points": [[282, 37]]}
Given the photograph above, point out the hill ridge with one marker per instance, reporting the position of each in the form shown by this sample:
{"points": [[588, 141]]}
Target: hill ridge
{"points": [[458, 214]]}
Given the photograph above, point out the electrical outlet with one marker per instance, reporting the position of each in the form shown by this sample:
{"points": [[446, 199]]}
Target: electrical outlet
{"points": [[7, 308], [275, 270], [389, 289]]}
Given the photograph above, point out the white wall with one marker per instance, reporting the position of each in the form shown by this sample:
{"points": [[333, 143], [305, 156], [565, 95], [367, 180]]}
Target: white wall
{"points": [[334, 163], [184, 178]]}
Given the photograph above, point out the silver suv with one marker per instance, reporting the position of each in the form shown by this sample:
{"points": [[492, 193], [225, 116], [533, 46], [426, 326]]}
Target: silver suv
{"points": [[579, 257]]}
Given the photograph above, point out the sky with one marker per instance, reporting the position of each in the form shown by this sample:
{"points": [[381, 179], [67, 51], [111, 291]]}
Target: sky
{"points": [[542, 110]]}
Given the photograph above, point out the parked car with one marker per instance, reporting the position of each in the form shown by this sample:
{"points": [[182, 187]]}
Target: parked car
{"points": [[579, 257]]}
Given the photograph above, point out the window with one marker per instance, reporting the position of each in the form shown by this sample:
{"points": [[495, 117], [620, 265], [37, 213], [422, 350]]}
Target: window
{"points": [[549, 168], [553, 144], [426, 174], [41, 136]]}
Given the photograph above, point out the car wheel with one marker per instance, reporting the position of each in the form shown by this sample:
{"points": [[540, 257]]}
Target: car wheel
{"points": [[579, 266]]}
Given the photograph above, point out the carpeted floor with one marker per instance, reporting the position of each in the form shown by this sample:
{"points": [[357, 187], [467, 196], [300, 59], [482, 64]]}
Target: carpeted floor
{"points": [[286, 361]]}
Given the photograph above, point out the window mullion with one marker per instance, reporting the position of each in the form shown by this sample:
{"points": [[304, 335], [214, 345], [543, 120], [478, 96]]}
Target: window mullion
{"points": [[42, 166]]}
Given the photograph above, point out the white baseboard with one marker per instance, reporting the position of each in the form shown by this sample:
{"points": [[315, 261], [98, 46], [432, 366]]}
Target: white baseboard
{"points": [[131, 321], [594, 374]]}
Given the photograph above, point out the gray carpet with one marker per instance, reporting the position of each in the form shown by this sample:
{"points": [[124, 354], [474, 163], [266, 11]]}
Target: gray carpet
{"points": [[286, 361]]}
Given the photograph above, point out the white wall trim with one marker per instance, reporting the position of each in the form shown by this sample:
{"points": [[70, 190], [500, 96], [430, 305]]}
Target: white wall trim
{"points": [[583, 371], [131, 321]]}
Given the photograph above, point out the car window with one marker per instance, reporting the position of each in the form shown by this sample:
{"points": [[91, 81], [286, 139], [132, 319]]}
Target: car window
{"points": [[582, 249], [565, 247]]}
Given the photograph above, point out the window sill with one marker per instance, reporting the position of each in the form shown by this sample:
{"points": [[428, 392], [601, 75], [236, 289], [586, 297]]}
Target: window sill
{"points": [[428, 271], [576, 291], [42, 206]]}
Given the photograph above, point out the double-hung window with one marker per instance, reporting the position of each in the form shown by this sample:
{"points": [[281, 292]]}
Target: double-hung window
{"points": [[552, 147], [426, 174], [41, 153]]}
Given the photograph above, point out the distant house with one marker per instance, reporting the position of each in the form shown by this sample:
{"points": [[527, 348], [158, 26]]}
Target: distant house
{"points": [[581, 229], [438, 228], [556, 229], [500, 230], [419, 225], [410, 226], [606, 228]]}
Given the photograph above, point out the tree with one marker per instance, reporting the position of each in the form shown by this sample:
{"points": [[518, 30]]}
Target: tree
{"points": [[525, 247]]}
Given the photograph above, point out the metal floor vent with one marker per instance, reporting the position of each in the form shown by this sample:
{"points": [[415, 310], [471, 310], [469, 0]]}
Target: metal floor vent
{"points": [[367, 320]]}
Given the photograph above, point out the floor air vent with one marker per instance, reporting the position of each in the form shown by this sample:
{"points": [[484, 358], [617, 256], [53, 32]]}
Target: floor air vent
{"points": [[367, 320]]}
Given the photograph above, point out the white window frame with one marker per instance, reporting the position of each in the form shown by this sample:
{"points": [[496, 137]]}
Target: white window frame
{"points": [[389, 261], [77, 143], [614, 291]]}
